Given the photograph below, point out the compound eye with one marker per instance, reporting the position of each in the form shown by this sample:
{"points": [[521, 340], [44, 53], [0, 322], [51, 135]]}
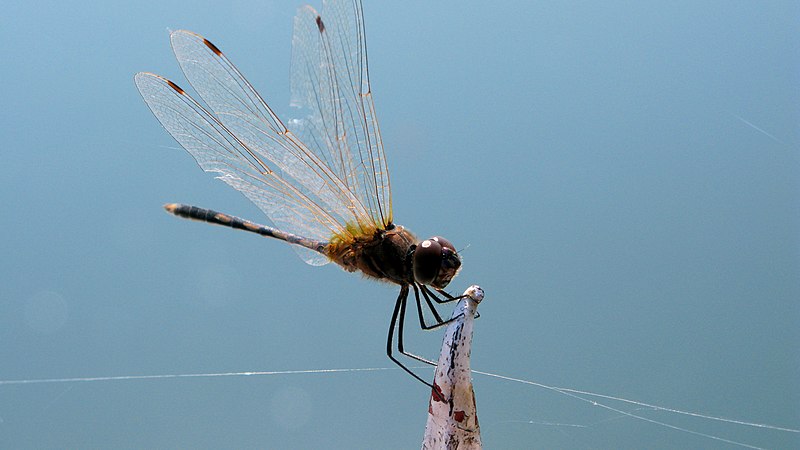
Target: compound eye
{"points": [[449, 265], [427, 260], [443, 242]]}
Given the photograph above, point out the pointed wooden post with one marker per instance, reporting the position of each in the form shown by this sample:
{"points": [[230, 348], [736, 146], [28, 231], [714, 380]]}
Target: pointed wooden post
{"points": [[452, 412]]}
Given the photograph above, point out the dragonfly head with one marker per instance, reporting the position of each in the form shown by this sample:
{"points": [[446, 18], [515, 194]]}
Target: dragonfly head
{"points": [[436, 262]]}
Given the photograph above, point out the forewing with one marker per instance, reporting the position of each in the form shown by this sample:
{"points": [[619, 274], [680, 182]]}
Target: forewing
{"points": [[238, 106], [217, 150], [330, 83]]}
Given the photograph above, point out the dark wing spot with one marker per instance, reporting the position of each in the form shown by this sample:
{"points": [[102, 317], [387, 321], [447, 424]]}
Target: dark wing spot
{"points": [[212, 47], [175, 86], [320, 25]]}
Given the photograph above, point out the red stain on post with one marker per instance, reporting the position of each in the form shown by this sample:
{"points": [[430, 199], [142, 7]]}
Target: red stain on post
{"points": [[437, 394], [458, 416]]}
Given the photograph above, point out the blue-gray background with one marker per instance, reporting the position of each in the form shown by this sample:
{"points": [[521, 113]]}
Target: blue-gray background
{"points": [[634, 234]]}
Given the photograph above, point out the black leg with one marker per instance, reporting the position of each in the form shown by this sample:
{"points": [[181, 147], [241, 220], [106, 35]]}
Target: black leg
{"points": [[401, 327], [439, 322], [436, 315], [399, 312], [447, 297]]}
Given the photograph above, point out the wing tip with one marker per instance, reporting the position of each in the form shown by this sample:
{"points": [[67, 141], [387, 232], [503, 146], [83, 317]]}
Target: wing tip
{"points": [[141, 77], [173, 34], [177, 34]]}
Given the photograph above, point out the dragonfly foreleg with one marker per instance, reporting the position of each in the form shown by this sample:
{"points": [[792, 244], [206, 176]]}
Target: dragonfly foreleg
{"points": [[439, 321], [447, 297]]}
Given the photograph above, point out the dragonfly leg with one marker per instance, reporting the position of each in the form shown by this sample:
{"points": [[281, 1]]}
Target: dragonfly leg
{"points": [[439, 321], [397, 322], [400, 328], [447, 297], [435, 313]]}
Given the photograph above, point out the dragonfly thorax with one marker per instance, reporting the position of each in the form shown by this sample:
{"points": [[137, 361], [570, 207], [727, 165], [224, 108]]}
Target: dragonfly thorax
{"points": [[383, 255], [394, 255]]}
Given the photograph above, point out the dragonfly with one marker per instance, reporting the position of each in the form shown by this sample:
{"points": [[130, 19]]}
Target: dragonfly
{"points": [[321, 179]]}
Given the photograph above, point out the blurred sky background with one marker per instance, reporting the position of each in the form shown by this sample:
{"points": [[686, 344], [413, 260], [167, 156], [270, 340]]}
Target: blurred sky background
{"points": [[625, 175]]}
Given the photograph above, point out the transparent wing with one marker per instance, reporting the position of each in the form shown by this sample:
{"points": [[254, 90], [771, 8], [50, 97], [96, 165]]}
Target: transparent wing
{"points": [[241, 110], [330, 83], [218, 150]]}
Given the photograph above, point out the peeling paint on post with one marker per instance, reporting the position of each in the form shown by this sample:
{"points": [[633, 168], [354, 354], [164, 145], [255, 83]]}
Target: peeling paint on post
{"points": [[452, 414]]}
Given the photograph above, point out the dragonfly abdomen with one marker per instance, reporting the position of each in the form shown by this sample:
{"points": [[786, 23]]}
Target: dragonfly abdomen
{"points": [[218, 218]]}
